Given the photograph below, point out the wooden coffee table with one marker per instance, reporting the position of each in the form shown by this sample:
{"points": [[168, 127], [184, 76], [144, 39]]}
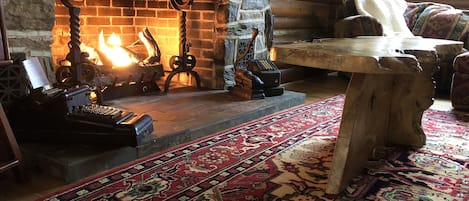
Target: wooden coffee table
{"points": [[390, 88]]}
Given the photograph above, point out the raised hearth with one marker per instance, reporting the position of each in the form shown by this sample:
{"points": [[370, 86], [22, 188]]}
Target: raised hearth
{"points": [[183, 115]]}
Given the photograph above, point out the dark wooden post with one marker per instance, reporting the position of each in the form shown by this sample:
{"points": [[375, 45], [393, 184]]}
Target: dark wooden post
{"points": [[13, 160]]}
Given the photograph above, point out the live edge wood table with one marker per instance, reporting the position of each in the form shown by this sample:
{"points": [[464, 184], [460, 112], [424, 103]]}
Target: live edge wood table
{"points": [[390, 88]]}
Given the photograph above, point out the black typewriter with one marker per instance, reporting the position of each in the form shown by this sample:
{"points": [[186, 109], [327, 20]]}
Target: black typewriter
{"points": [[69, 117], [269, 73]]}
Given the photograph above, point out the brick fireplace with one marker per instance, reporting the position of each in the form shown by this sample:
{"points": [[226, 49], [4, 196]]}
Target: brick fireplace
{"points": [[216, 29]]}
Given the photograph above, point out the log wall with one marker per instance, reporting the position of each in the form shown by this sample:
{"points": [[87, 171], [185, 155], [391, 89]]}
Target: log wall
{"points": [[296, 20]]}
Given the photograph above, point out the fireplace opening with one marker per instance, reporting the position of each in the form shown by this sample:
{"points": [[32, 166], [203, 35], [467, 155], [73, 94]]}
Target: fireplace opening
{"points": [[127, 19], [112, 70]]}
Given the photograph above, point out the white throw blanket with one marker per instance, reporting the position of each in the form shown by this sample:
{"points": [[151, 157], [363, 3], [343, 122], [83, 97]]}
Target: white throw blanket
{"points": [[390, 13]]}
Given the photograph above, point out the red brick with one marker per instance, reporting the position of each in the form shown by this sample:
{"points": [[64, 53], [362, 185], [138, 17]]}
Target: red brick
{"points": [[128, 12], [208, 16], [193, 33], [122, 21], [98, 2], [204, 62], [62, 20], [166, 14], [140, 3], [77, 3], [193, 15], [156, 22], [109, 12], [90, 30], [142, 21], [157, 4], [207, 34], [122, 3], [60, 10], [90, 11], [200, 25], [128, 30], [208, 44], [98, 21], [204, 71], [173, 23], [196, 52], [207, 53], [203, 6], [146, 13]]}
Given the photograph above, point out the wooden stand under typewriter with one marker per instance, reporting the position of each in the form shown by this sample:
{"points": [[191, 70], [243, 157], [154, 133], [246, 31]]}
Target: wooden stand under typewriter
{"points": [[248, 85]]}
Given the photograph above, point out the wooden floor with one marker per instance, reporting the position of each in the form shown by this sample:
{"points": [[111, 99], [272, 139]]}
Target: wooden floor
{"points": [[315, 88]]}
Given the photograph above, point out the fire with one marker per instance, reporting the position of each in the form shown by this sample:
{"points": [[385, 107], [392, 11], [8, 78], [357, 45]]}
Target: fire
{"points": [[113, 50], [93, 57]]}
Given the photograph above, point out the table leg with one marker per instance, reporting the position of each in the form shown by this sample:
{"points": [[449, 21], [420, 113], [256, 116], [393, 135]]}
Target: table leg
{"points": [[380, 110], [363, 126], [413, 94]]}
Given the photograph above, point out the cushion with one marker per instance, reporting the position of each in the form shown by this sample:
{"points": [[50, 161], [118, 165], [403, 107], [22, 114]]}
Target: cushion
{"points": [[413, 11], [443, 22]]}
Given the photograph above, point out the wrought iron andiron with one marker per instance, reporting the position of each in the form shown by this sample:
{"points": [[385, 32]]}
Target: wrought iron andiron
{"points": [[74, 44], [184, 62]]}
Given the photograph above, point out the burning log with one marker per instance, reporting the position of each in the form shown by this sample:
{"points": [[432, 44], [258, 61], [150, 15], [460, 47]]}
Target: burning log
{"points": [[151, 45]]}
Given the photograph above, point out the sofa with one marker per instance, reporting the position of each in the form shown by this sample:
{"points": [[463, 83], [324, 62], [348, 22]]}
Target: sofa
{"points": [[430, 20]]}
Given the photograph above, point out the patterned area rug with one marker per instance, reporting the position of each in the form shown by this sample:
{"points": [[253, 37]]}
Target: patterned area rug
{"points": [[287, 156]]}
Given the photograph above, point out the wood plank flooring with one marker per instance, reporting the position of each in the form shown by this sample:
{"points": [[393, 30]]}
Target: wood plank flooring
{"points": [[39, 184]]}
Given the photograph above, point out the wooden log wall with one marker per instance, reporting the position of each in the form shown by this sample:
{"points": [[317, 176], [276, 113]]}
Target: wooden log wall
{"points": [[297, 20]]}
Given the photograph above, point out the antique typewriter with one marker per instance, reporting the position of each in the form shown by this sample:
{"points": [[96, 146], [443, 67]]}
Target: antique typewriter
{"points": [[269, 73], [69, 116]]}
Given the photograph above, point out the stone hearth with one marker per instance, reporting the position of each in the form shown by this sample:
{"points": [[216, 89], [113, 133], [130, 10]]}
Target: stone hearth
{"points": [[183, 115]]}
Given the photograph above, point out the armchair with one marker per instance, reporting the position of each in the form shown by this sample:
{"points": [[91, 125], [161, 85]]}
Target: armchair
{"points": [[429, 20]]}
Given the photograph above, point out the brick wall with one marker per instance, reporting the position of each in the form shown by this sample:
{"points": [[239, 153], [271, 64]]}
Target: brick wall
{"points": [[127, 17]]}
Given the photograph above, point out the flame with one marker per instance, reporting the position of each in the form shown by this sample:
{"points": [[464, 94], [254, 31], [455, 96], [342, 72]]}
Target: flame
{"points": [[113, 50], [92, 55]]}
